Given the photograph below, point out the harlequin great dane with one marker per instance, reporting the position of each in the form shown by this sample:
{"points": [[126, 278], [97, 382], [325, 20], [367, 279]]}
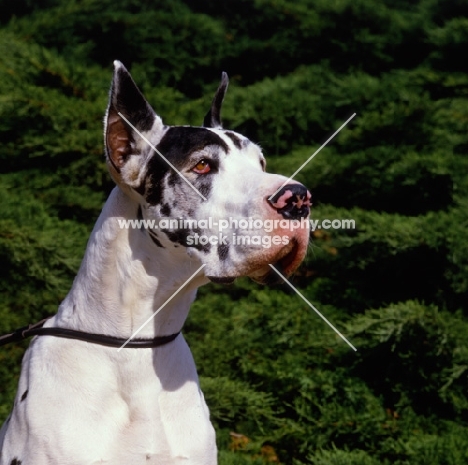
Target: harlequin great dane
{"points": [[83, 403]]}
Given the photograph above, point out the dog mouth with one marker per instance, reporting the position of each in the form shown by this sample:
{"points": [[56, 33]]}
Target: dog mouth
{"points": [[222, 280], [285, 265], [288, 261]]}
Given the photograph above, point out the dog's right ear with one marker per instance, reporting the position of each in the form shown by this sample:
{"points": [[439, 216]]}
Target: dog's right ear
{"points": [[126, 150]]}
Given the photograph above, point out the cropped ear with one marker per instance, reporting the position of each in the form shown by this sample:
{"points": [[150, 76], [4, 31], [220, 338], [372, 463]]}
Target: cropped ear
{"points": [[126, 151], [213, 117]]}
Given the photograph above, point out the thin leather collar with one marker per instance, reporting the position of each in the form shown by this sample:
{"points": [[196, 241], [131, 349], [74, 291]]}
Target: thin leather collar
{"points": [[37, 329]]}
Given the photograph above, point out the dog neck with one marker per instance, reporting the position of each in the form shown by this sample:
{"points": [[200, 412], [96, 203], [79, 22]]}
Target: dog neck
{"points": [[125, 278]]}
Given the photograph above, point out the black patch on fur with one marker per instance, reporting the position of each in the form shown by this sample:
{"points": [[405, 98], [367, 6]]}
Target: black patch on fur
{"points": [[176, 145], [204, 188], [15, 461], [205, 248], [166, 210], [181, 141], [141, 189], [155, 239], [25, 394], [180, 237], [172, 179], [157, 170], [223, 251], [140, 216], [235, 139]]}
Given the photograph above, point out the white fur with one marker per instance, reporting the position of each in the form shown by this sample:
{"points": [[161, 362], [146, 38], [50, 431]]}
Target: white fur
{"points": [[90, 404]]}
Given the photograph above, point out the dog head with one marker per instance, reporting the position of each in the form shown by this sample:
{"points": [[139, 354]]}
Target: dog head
{"points": [[203, 191]]}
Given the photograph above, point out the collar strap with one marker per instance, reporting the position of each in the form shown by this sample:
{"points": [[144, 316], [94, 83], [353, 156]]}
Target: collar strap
{"points": [[109, 341]]}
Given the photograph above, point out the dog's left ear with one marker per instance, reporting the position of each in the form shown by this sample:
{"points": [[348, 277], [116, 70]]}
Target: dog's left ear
{"points": [[213, 117], [126, 150]]}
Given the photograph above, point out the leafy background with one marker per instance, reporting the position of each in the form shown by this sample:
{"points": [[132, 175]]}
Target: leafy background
{"points": [[282, 388]]}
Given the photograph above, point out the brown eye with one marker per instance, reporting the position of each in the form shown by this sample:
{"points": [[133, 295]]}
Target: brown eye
{"points": [[202, 167]]}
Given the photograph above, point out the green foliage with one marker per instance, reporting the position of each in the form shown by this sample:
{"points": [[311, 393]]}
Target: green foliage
{"points": [[281, 386], [342, 457], [40, 255]]}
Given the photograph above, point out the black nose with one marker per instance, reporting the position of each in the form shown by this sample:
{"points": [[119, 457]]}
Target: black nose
{"points": [[292, 201]]}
